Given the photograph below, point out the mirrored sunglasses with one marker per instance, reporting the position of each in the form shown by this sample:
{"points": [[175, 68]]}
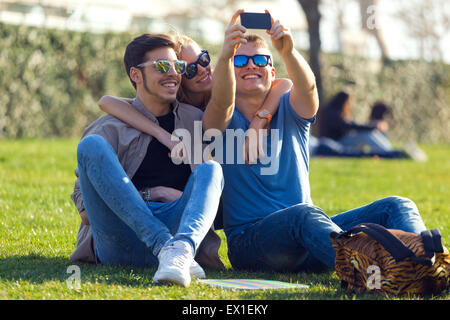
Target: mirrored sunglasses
{"points": [[163, 65], [260, 60]]}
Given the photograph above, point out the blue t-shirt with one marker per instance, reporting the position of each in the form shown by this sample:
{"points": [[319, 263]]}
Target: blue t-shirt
{"points": [[252, 192]]}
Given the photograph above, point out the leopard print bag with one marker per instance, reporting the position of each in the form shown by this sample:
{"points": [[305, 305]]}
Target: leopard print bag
{"points": [[371, 258]]}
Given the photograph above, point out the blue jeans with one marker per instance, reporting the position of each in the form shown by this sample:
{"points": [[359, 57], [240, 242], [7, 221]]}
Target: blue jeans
{"points": [[298, 238], [330, 148], [375, 139], [130, 231]]}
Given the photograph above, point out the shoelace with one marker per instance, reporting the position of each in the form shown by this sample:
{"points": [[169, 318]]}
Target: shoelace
{"points": [[179, 255]]}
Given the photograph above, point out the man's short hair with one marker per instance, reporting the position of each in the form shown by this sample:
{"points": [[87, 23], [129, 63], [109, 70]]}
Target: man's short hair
{"points": [[257, 40], [136, 51]]}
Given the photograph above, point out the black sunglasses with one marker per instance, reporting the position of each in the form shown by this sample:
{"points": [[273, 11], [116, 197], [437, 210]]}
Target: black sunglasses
{"points": [[192, 69], [260, 60]]}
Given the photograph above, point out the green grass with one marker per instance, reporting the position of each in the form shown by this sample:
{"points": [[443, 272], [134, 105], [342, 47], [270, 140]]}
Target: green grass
{"points": [[39, 224]]}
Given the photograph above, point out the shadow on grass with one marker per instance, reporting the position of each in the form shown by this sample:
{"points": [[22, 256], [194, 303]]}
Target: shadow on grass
{"points": [[39, 269]]}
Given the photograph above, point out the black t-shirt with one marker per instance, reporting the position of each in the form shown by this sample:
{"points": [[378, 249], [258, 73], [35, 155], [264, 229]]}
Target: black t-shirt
{"points": [[333, 126], [157, 168]]}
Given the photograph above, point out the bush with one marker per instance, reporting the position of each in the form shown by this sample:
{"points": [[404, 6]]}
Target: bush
{"points": [[417, 91], [51, 80]]}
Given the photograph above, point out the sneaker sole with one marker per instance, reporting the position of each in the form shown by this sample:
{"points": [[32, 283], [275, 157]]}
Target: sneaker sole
{"points": [[197, 273], [198, 276], [169, 279]]}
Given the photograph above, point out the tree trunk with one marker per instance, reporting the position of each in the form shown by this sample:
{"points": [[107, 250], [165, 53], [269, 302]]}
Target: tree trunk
{"points": [[311, 9]]}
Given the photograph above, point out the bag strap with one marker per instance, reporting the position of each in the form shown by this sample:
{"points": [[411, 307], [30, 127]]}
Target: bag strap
{"points": [[432, 242], [390, 242]]}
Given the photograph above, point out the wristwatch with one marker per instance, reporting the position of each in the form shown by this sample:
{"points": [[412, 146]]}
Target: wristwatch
{"points": [[145, 194], [264, 114]]}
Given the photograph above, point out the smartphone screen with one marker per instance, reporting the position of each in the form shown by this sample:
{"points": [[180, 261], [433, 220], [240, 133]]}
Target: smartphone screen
{"points": [[252, 20]]}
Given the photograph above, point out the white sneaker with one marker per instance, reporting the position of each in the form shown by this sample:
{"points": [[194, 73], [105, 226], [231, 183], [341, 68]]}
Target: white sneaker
{"points": [[413, 150], [175, 263], [196, 271]]}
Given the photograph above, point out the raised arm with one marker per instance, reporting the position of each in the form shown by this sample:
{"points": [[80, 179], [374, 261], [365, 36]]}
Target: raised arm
{"points": [[304, 98], [121, 109], [252, 152], [220, 107]]}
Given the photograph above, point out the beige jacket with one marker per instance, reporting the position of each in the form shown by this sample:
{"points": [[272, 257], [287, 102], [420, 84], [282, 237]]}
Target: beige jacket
{"points": [[131, 146]]}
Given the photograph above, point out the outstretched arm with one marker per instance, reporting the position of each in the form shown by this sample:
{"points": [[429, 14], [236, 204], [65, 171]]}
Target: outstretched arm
{"points": [[220, 108], [304, 98], [278, 89], [121, 109]]}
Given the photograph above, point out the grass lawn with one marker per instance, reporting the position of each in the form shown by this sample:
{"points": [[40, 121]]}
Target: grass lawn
{"points": [[39, 224]]}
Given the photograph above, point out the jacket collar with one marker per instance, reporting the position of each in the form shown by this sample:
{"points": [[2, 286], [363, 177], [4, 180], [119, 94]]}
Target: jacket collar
{"points": [[137, 103]]}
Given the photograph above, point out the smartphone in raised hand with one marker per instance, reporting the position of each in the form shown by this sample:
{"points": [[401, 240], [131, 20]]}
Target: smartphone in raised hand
{"points": [[252, 20]]}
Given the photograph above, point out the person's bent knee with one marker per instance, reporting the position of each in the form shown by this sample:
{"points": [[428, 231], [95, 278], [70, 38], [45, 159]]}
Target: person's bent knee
{"points": [[211, 168], [212, 165], [305, 208], [305, 211], [398, 202], [90, 145]]}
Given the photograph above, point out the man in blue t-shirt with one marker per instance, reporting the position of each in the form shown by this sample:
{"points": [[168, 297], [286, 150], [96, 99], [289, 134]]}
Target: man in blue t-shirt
{"points": [[269, 218]]}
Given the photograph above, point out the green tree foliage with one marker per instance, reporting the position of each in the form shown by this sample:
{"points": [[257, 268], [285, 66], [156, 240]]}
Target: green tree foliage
{"points": [[51, 80]]}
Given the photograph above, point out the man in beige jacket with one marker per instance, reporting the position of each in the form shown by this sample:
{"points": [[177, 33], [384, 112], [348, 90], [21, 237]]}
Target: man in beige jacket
{"points": [[126, 178]]}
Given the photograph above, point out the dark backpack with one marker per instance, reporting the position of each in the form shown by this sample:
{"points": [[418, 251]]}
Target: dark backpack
{"points": [[371, 258]]}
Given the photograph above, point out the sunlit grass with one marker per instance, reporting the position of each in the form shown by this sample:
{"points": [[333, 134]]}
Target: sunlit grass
{"points": [[39, 224]]}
